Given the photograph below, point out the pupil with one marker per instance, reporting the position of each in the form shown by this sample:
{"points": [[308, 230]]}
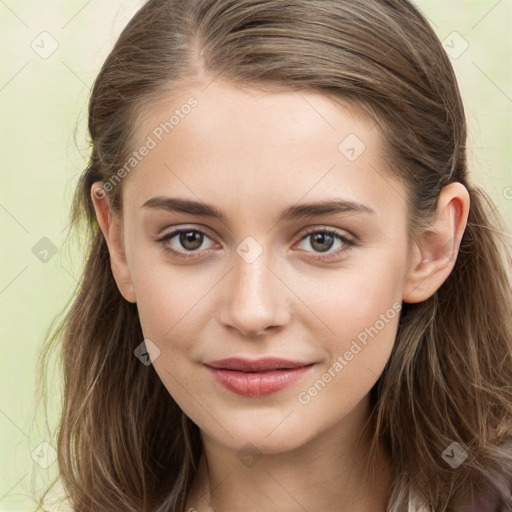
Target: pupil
{"points": [[322, 238], [191, 240]]}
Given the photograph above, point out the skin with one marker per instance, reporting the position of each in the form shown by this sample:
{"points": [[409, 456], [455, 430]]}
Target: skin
{"points": [[253, 154]]}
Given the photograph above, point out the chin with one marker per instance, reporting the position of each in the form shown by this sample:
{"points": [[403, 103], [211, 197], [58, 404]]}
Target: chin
{"points": [[269, 434]]}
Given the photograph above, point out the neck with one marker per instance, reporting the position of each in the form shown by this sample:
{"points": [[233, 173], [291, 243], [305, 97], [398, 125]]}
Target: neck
{"points": [[330, 473]]}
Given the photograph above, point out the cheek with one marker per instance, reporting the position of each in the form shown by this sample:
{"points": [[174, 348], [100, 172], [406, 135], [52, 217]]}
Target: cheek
{"points": [[345, 381], [361, 308], [170, 303], [352, 299], [170, 298]]}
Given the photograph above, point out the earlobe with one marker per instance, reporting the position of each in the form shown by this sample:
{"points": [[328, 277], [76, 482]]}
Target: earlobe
{"points": [[435, 252], [110, 226]]}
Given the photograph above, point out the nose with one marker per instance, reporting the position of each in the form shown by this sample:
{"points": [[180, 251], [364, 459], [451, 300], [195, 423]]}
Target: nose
{"points": [[255, 298]]}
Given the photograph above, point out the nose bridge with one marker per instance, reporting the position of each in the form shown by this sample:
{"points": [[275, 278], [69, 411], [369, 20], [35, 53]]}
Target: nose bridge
{"points": [[256, 299]]}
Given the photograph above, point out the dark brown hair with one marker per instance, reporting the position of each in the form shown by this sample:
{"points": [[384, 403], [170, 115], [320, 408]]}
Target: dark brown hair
{"points": [[122, 442]]}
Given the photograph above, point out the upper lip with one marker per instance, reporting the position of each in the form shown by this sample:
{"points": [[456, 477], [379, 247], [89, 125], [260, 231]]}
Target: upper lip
{"points": [[254, 365]]}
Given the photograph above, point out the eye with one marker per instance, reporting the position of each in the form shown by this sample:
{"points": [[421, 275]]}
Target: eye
{"points": [[189, 240], [323, 240]]}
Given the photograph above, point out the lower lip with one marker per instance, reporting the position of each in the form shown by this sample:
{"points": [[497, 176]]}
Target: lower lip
{"points": [[258, 384]]}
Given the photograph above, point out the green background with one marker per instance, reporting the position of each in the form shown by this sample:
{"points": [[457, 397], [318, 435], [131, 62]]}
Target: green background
{"points": [[44, 149]]}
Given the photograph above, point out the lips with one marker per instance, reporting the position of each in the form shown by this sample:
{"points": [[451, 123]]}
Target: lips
{"points": [[259, 377], [259, 365]]}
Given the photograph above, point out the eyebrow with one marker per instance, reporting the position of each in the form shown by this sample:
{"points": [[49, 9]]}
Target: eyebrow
{"points": [[298, 211]]}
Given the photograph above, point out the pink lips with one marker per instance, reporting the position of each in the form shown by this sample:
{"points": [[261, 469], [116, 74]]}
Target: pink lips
{"points": [[257, 377]]}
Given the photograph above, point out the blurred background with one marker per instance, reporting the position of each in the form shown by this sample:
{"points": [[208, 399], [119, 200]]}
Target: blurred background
{"points": [[51, 52]]}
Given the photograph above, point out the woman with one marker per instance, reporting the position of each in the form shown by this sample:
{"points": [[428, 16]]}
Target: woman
{"points": [[294, 298]]}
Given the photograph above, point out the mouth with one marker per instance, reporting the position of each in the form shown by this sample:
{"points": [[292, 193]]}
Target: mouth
{"points": [[255, 378]]}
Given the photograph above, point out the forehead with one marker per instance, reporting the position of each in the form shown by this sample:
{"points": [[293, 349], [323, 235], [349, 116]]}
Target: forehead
{"points": [[238, 145]]}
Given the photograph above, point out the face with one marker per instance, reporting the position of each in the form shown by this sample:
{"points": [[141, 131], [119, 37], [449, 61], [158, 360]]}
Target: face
{"points": [[305, 261]]}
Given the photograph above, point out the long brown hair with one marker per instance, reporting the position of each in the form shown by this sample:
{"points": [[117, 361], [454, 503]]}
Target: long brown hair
{"points": [[123, 443]]}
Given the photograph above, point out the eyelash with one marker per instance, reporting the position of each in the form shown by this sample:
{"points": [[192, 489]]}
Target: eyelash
{"points": [[347, 244]]}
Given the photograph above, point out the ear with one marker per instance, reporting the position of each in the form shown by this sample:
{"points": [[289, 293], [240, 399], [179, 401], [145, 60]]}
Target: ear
{"points": [[111, 227], [435, 252]]}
